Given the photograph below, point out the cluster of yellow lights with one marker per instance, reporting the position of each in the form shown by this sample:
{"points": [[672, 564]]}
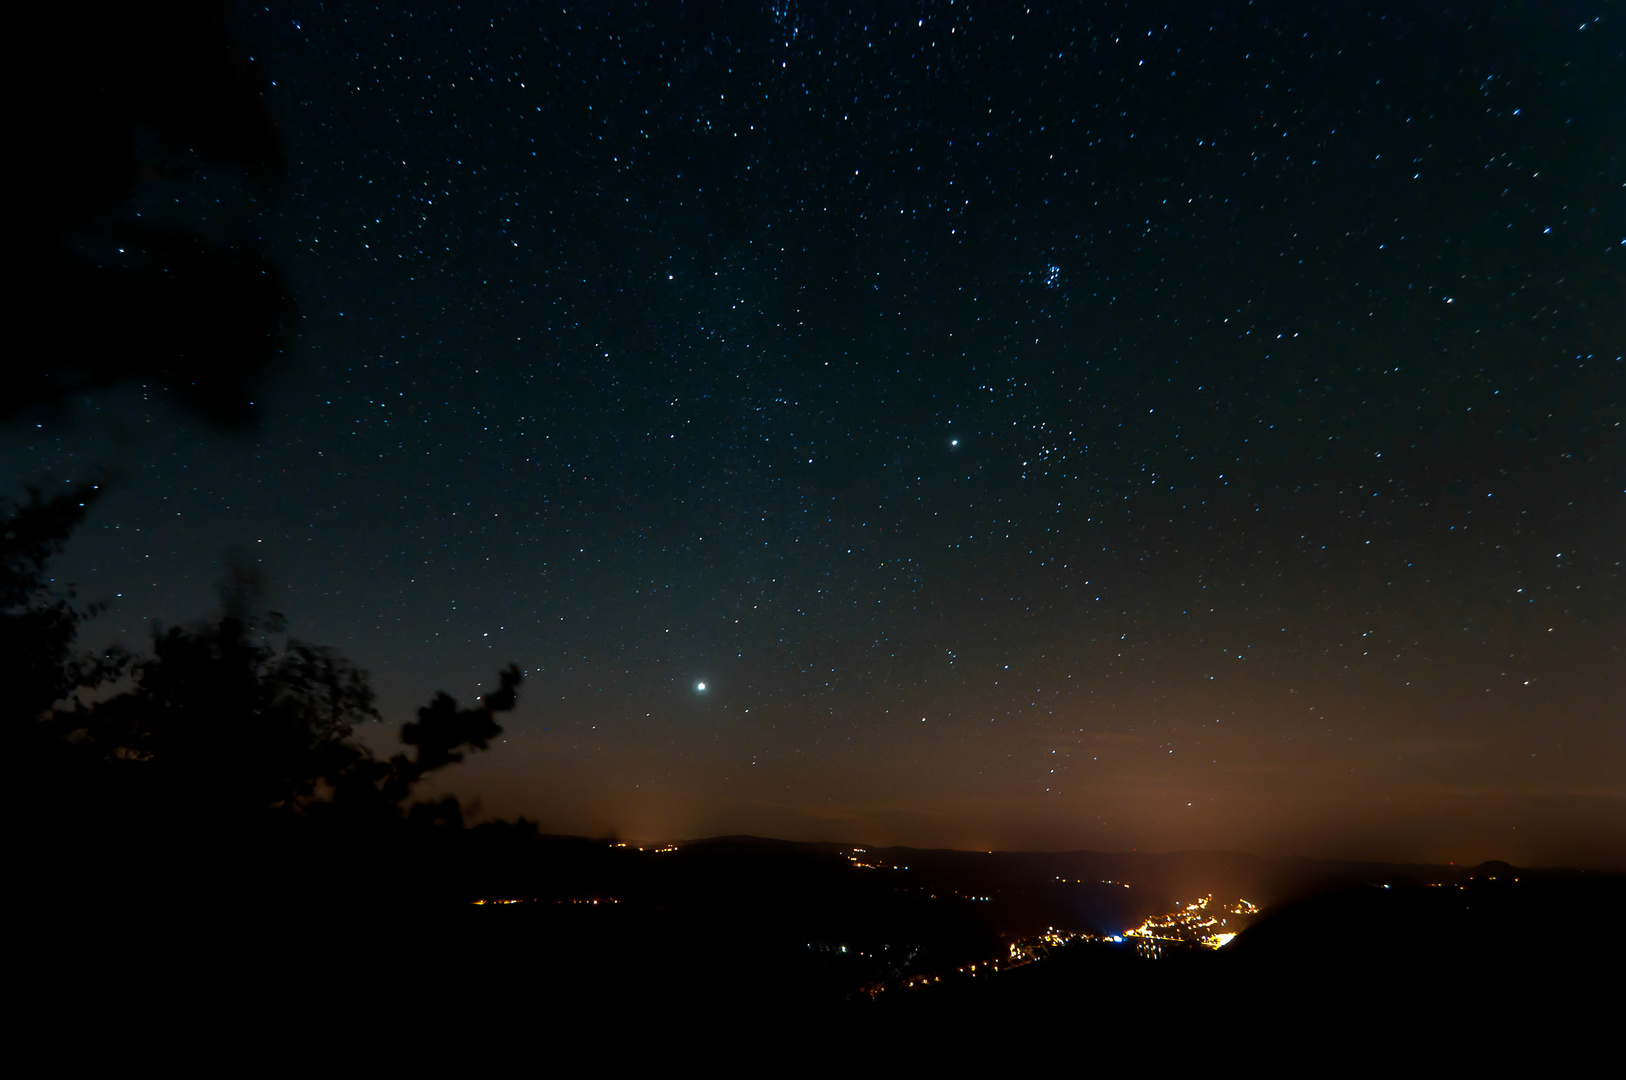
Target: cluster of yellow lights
{"points": [[1192, 924], [1021, 952], [861, 858], [538, 900], [1037, 946], [918, 980]]}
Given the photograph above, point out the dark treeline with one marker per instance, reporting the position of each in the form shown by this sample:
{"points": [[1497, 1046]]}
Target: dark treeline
{"points": [[226, 751], [222, 760], [200, 806], [124, 98]]}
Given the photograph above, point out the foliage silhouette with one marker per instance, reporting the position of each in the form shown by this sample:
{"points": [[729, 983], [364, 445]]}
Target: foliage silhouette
{"points": [[229, 729], [145, 789], [229, 735], [124, 99], [39, 620]]}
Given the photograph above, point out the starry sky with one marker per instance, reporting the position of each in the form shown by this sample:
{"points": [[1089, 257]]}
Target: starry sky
{"points": [[1124, 425]]}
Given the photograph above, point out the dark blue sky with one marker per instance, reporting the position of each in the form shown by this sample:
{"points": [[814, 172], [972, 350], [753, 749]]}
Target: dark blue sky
{"points": [[1095, 425]]}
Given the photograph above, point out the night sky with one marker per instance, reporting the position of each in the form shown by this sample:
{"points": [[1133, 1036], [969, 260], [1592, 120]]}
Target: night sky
{"points": [[1108, 425]]}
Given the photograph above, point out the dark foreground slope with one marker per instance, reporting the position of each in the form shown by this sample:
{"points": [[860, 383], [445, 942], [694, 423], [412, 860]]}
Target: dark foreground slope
{"points": [[764, 940], [1478, 966]]}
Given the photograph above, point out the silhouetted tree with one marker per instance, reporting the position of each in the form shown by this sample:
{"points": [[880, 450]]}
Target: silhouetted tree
{"points": [[219, 721], [230, 746], [116, 93], [39, 620]]}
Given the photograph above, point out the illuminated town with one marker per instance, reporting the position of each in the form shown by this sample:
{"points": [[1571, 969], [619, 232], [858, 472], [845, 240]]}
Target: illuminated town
{"points": [[1198, 925], [500, 902], [1193, 925], [994, 916], [1020, 953]]}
